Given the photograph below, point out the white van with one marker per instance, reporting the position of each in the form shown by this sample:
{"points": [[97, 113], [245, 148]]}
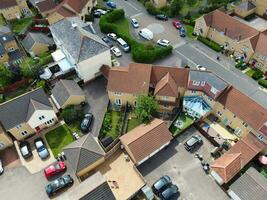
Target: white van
{"points": [[122, 44], [146, 33]]}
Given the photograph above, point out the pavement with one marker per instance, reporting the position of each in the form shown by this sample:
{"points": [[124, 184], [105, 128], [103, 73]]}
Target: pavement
{"points": [[185, 170]]}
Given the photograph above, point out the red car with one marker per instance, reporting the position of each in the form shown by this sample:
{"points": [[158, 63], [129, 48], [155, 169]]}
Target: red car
{"points": [[55, 168], [177, 24]]}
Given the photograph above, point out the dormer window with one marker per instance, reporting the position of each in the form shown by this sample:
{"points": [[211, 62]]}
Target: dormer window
{"points": [[203, 83], [213, 90], [196, 83]]}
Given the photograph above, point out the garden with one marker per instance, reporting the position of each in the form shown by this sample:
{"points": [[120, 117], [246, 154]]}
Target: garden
{"points": [[132, 122], [18, 25], [181, 122]]}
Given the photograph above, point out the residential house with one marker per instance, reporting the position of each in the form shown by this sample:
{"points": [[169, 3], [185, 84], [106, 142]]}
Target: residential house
{"points": [[261, 7], [241, 113], [27, 114], [14, 9], [37, 43], [146, 140], [83, 155], [250, 186], [94, 187], [83, 49], [159, 3], [45, 6], [70, 8], [5, 139], [236, 37], [245, 8], [229, 165], [66, 93]]}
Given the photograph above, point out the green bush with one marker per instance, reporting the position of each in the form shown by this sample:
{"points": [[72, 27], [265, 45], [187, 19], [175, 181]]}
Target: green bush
{"points": [[257, 75], [241, 65], [263, 83], [151, 9], [211, 44], [115, 15]]}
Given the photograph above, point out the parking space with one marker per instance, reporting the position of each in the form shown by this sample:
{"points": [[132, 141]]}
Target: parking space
{"points": [[184, 169], [97, 99]]}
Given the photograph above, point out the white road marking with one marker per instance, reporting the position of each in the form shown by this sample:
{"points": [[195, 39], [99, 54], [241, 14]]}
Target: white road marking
{"points": [[132, 6], [136, 15]]}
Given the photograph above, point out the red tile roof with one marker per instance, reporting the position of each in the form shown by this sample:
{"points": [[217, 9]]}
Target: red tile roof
{"points": [[146, 139], [76, 5], [45, 6], [244, 108], [7, 3], [166, 87], [263, 129], [262, 43]]}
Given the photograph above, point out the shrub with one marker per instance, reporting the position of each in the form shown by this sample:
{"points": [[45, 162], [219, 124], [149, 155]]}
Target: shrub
{"points": [[257, 74], [241, 65], [115, 15], [41, 84], [211, 44], [263, 83], [151, 9]]}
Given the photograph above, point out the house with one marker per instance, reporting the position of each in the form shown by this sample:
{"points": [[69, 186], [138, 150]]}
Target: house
{"points": [[229, 164], [236, 37], [70, 8], [37, 43], [14, 9], [146, 140], [250, 186], [5, 139], [83, 49], [84, 155], [166, 83], [66, 93], [245, 8], [94, 187], [45, 6], [27, 114]]}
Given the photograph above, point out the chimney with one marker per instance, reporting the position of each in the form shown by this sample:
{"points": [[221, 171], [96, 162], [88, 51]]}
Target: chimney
{"points": [[225, 31]]}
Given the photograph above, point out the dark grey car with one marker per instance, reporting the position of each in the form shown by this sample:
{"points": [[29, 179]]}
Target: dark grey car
{"points": [[193, 142], [161, 184]]}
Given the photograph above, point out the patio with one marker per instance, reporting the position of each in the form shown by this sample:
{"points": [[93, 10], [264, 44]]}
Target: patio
{"points": [[123, 185]]}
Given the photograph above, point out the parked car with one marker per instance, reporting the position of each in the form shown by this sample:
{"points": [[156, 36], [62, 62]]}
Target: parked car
{"points": [[1, 168], [41, 148], [134, 23], [54, 169], [161, 17], [96, 14], [201, 68], [195, 33], [146, 34], [161, 184], [87, 122], [177, 24], [25, 149], [116, 51], [112, 36], [169, 192], [163, 42], [193, 142], [182, 32], [101, 11], [58, 184], [123, 45], [111, 4], [107, 41]]}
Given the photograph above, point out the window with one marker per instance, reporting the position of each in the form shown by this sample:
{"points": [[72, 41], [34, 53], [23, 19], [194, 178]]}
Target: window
{"points": [[118, 93], [165, 98], [213, 90], [245, 124], [18, 126], [234, 116], [118, 102], [196, 83], [238, 131], [203, 83], [261, 137], [219, 113], [24, 133], [43, 117]]}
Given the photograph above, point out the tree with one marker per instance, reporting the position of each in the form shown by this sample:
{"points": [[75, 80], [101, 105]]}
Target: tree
{"points": [[5, 76], [176, 6], [146, 107], [191, 2], [30, 68]]}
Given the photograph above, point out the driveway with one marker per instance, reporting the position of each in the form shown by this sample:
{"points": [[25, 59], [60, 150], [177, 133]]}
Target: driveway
{"points": [[185, 170], [10, 157], [97, 99]]}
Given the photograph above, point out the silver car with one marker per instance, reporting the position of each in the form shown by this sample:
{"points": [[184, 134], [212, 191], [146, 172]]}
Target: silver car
{"points": [[41, 148], [134, 23]]}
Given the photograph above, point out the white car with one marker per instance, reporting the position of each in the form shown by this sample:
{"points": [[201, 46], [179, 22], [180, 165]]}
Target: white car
{"points": [[163, 42], [201, 68], [1, 168], [102, 12], [134, 23], [116, 51], [112, 36]]}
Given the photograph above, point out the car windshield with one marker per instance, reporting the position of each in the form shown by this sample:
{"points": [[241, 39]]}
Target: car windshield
{"points": [[191, 141], [24, 150], [57, 166], [39, 144], [160, 183]]}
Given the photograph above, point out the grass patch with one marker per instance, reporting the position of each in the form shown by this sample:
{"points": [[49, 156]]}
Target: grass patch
{"points": [[263, 83], [250, 72], [19, 24], [264, 172], [189, 31], [132, 123], [2, 20], [75, 127], [186, 122], [58, 138]]}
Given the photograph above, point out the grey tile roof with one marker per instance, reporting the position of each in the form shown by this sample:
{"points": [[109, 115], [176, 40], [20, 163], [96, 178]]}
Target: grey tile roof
{"points": [[83, 152], [36, 38], [209, 77], [102, 192], [64, 89], [6, 38], [80, 43], [16, 111], [250, 186]]}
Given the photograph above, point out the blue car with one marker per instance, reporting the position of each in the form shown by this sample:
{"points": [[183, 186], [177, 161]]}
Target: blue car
{"points": [[182, 32], [111, 4]]}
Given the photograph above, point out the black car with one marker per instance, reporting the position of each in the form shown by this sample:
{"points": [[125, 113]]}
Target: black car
{"points": [[25, 149], [107, 41], [162, 17], [58, 184], [169, 192], [193, 142], [96, 14], [87, 122], [41, 148], [161, 184]]}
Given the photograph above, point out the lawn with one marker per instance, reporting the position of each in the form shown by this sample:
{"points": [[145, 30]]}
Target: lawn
{"points": [[250, 72], [264, 172], [186, 122], [189, 31], [58, 138], [132, 123], [19, 24], [75, 127], [2, 20]]}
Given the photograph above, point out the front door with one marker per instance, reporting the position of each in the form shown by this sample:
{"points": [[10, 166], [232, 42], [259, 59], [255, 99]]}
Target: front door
{"points": [[37, 129]]}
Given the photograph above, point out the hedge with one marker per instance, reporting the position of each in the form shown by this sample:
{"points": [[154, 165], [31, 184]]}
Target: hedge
{"points": [[140, 53], [211, 44], [263, 83], [241, 65], [257, 74]]}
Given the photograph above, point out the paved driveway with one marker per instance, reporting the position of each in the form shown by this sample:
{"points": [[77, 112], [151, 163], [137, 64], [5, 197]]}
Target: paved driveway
{"points": [[184, 169], [97, 98]]}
